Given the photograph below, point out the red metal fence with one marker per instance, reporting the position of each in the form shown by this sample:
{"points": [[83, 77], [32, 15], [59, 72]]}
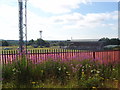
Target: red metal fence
{"points": [[38, 55]]}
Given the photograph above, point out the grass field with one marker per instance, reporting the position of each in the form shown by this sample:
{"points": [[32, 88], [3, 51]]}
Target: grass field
{"points": [[31, 49]]}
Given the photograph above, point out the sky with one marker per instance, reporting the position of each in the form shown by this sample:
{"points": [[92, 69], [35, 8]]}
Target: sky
{"points": [[61, 19]]}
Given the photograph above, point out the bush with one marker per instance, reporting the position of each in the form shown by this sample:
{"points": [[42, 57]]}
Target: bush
{"points": [[51, 70], [7, 72]]}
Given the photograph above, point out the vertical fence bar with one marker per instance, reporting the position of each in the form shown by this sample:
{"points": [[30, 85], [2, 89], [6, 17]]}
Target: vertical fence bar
{"points": [[93, 54], [63, 53], [114, 56], [47, 52], [53, 53], [31, 54], [12, 54], [38, 55], [45, 55], [3, 58], [35, 56], [9, 56], [118, 56], [100, 56]]}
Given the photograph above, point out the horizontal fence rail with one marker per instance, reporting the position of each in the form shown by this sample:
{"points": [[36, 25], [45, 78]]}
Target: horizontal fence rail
{"points": [[64, 54]]}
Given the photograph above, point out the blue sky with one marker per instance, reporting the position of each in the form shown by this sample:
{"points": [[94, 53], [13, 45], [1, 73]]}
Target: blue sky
{"points": [[98, 7], [61, 19]]}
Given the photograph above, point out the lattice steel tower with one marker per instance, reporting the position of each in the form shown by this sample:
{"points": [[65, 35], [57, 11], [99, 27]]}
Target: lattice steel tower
{"points": [[21, 25]]}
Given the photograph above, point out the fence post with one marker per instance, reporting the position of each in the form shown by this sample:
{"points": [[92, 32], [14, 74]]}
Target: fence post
{"points": [[93, 54]]}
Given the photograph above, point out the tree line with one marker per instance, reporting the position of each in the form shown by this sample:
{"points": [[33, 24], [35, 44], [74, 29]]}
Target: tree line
{"points": [[44, 43], [38, 42], [112, 41]]}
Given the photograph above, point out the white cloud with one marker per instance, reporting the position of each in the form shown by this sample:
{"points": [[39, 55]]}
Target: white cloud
{"points": [[77, 20], [56, 27], [35, 24], [75, 24], [57, 6], [8, 22], [105, 0]]}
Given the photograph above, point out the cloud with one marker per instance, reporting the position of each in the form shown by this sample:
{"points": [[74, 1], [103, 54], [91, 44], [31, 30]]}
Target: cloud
{"points": [[90, 20], [105, 0], [75, 23], [8, 22], [68, 18], [60, 26], [57, 6]]}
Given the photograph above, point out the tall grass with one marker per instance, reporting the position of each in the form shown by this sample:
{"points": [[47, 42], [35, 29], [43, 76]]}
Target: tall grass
{"points": [[77, 72]]}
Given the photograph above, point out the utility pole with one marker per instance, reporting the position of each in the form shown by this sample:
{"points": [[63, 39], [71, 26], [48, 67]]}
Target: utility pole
{"points": [[26, 23], [20, 2]]}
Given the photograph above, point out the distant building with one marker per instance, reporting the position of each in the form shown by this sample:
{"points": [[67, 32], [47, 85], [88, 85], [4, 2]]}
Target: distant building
{"points": [[35, 46], [86, 45], [112, 47]]}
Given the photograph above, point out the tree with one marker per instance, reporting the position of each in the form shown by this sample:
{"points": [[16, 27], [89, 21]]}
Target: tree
{"points": [[115, 41], [47, 44], [112, 41], [106, 40], [31, 42], [41, 42], [61, 43], [5, 43]]}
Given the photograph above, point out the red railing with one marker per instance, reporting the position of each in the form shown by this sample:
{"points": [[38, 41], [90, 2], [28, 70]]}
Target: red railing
{"points": [[38, 55]]}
